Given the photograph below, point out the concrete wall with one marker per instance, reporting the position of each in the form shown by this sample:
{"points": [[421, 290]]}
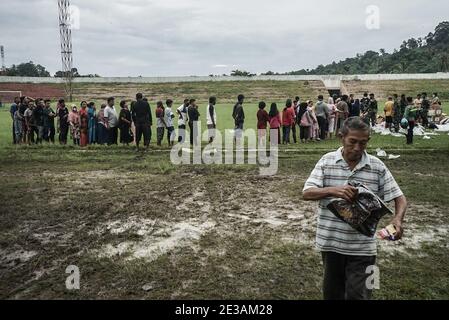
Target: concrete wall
{"points": [[330, 81]]}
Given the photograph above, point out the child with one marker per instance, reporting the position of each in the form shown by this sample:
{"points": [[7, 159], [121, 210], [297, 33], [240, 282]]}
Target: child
{"points": [[161, 124], [262, 119], [275, 124]]}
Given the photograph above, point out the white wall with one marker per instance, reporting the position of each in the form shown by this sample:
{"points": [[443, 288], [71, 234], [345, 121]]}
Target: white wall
{"points": [[330, 81]]}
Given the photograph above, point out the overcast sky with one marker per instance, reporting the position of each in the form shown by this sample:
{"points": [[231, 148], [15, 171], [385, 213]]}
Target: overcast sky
{"points": [[202, 37]]}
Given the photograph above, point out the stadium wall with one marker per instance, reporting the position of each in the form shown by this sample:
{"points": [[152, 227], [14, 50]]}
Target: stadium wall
{"points": [[330, 81]]}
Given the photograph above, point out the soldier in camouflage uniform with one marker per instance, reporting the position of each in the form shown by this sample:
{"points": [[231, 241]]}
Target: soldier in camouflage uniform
{"points": [[372, 109], [364, 104], [425, 106], [397, 116]]}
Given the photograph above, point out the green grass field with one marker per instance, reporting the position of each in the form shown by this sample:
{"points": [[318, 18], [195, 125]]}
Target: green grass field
{"points": [[130, 219]]}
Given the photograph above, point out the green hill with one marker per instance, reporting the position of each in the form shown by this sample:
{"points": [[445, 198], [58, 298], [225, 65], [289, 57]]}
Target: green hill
{"points": [[427, 54]]}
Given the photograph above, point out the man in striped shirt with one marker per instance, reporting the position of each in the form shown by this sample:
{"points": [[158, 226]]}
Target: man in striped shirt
{"points": [[346, 253]]}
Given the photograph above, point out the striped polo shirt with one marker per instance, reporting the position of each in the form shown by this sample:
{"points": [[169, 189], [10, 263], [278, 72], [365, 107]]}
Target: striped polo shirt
{"points": [[332, 170]]}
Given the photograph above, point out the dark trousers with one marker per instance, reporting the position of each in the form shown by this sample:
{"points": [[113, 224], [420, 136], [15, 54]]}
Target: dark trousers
{"points": [[192, 136], [63, 131], [372, 116], [13, 133], [425, 118], [286, 134], [293, 129], [170, 133], [49, 134], [33, 135], [411, 126], [322, 124], [113, 135], [160, 135], [145, 130], [182, 133], [345, 276], [303, 133]]}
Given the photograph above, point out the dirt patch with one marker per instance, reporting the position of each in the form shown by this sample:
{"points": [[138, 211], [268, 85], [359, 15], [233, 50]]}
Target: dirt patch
{"points": [[156, 242], [424, 225], [9, 259]]}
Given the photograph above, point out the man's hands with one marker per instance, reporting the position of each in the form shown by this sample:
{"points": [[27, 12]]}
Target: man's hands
{"points": [[399, 229], [348, 193]]}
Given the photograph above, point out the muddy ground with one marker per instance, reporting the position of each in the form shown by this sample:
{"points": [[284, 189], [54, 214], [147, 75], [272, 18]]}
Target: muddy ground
{"points": [[143, 229]]}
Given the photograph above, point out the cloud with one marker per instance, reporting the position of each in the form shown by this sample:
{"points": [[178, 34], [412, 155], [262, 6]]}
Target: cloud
{"points": [[197, 37]]}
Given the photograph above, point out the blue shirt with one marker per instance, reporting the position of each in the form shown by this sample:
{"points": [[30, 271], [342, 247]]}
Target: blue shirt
{"points": [[13, 109]]}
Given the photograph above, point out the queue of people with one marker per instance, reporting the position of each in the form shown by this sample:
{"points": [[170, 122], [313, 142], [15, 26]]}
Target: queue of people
{"points": [[35, 121]]}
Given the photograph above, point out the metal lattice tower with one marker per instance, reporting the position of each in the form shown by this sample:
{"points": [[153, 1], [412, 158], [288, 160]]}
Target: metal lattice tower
{"points": [[2, 52], [66, 45]]}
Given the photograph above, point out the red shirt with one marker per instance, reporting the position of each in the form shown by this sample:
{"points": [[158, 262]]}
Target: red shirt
{"points": [[275, 122], [293, 112], [262, 119], [287, 117]]}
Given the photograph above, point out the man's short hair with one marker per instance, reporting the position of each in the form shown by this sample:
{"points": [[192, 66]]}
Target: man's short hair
{"points": [[139, 96], [262, 105], [212, 100], [354, 123], [61, 101], [320, 97], [297, 98], [110, 99], [186, 100], [122, 103], [240, 97], [192, 101], [169, 102]]}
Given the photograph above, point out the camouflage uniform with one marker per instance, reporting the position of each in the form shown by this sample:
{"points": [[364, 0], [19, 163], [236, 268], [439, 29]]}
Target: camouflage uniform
{"points": [[397, 116], [372, 111]]}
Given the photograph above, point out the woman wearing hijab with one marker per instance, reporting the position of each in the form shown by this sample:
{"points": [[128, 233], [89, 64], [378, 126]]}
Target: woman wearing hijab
{"points": [[84, 124], [102, 131], [92, 123], [332, 113], [74, 120], [124, 124]]}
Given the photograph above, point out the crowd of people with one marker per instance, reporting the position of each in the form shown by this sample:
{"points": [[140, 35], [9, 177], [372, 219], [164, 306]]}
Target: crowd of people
{"points": [[34, 119], [323, 120]]}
